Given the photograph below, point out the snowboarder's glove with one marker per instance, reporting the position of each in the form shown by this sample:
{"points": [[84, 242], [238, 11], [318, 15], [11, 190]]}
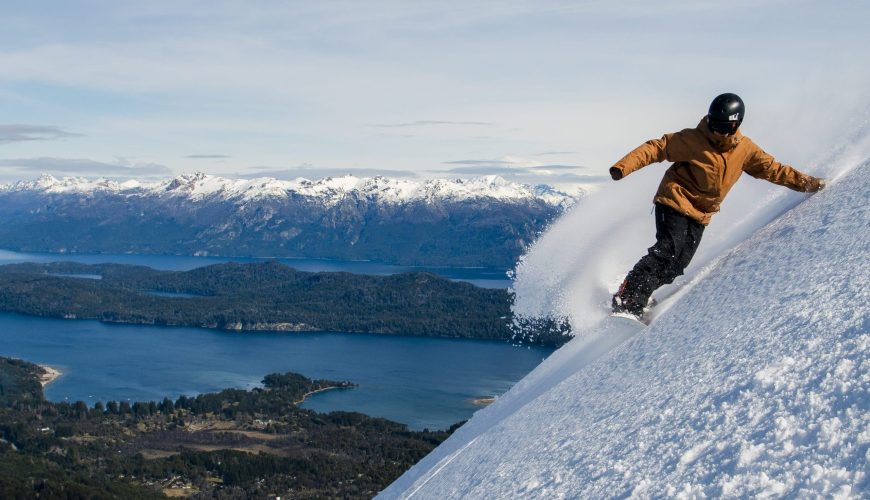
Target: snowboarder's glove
{"points": [[615, 173], [816, 184]]}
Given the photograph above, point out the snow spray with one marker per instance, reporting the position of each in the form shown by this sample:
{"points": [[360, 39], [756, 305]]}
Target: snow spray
{"points": [[574, 268]]}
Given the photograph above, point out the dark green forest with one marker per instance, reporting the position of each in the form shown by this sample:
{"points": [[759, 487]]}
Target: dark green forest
{"points": [[267, 296], [231, 444]]}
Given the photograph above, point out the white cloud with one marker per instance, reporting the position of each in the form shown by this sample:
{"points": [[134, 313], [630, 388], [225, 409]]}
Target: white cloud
{"points": [[422, 123], [280, 83], [315, 172], [526, 171], [23, 168], [23, 133]]}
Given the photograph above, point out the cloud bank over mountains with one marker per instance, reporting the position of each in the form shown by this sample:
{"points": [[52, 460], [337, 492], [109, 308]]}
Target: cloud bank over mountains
{"points": [[12, 169]]}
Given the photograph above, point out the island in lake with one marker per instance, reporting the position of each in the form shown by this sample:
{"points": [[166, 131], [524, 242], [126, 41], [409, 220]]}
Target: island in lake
{"points": [[269, 296]]}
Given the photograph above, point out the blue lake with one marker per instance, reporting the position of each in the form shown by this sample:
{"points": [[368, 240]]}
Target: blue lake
{"points": [[423, 382]]}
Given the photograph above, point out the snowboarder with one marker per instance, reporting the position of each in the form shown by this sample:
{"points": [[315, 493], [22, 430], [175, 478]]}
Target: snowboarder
{"points": [[707, 161]]}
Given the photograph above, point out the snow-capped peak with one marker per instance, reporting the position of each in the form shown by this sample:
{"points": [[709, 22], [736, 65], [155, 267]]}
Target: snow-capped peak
{"points": [[199, 186], [49, 184]]}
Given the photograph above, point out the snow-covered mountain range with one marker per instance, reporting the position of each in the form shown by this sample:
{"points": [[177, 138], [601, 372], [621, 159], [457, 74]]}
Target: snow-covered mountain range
{"points": [[329, 190], [753, 380], [480, 221]]}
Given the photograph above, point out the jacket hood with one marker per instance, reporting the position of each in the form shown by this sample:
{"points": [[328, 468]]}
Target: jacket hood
{"points": [[722, 143]]}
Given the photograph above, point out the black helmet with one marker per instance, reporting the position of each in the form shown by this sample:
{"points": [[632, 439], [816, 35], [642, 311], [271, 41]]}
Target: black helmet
{"points": [[726, 113]]}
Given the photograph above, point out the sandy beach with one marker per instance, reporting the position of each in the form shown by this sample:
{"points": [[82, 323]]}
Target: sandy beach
{"points": [[49, 375], [305, 396]]}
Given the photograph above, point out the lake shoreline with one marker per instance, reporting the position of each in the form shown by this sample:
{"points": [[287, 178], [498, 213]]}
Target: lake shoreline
{"points": [[322, 389], [483, 401], [49, 375]]}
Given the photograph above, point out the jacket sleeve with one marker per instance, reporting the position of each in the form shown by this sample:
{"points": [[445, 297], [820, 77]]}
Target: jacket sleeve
{"points": [[764, 166], [652, 151]]}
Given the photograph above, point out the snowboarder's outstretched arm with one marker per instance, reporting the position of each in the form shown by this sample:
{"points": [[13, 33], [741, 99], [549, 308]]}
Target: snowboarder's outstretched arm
{"points": [[652, 151], [764, 166]]}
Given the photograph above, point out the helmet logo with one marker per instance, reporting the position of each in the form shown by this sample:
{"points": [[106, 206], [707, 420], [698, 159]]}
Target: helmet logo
{"points": [[734, 117]]}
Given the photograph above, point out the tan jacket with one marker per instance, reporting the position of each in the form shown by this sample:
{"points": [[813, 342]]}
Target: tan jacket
{"points": [[705, 168]]}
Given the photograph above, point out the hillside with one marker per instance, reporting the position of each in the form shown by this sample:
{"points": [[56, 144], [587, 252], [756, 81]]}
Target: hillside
{"points": [[753, 380], [485, 221]]}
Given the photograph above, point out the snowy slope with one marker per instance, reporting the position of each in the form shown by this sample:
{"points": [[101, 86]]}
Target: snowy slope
{"points": [[754, 382]]}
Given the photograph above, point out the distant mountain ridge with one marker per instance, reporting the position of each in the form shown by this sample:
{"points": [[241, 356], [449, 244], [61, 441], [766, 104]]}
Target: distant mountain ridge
{"points": [[485, 221], [330, 189]]}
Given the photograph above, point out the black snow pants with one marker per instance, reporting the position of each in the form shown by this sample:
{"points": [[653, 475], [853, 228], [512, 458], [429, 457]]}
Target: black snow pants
{"points": [[677, 238]]}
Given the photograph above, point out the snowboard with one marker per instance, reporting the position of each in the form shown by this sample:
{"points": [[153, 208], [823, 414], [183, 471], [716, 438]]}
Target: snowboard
{"points": [[644, 320]]}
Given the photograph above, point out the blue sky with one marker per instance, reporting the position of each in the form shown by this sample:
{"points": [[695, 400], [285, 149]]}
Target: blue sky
{"points": [[550, 92]]}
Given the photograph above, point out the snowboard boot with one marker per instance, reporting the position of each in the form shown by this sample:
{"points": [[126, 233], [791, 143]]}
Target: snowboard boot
{"points": [[624, 303]]}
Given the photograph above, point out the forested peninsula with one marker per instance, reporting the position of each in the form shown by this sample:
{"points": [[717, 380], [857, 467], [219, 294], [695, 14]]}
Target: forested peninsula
{"points": [[265, 296], [230, 444]]}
